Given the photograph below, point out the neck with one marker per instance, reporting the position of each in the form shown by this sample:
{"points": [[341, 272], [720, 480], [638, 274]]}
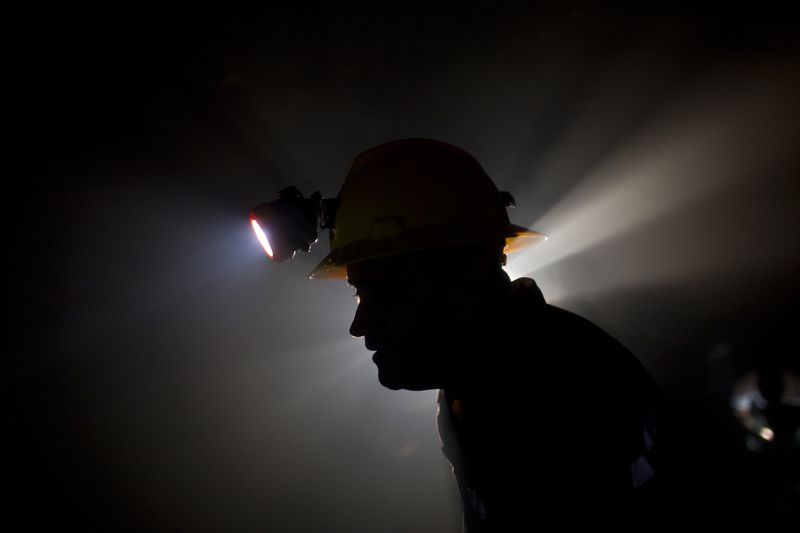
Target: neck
{"points": [[475, 353]]}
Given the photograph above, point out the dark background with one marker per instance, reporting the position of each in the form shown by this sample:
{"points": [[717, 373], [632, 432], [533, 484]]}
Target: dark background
{"points": [[162, 375]]}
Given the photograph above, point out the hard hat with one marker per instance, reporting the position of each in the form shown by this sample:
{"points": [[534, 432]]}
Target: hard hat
{"points": [[413, 194]]}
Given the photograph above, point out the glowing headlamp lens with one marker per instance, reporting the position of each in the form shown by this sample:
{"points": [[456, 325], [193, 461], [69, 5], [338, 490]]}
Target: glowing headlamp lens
{"points": [[262, 237]]}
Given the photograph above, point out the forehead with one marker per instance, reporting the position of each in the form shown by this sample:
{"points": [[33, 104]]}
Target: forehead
{"points": [[370, 272], [419, 267], [397, 269]]}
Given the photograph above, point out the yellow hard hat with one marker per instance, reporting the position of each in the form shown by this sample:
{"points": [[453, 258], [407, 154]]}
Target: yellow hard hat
{"points": [[413, 194]]}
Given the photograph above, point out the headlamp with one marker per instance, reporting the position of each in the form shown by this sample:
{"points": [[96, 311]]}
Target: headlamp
{"points": [[291, 223]]}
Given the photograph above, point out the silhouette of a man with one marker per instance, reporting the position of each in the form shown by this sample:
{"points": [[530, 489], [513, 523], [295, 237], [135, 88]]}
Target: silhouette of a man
{"points": [[542, 414]]}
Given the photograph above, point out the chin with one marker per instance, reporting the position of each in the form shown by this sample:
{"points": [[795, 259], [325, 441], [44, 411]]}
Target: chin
{"points": [[395, 373], [402, 381], [406, 386]]}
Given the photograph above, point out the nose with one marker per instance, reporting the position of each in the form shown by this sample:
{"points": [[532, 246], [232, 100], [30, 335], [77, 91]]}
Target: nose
{"points": [[358, 328]]}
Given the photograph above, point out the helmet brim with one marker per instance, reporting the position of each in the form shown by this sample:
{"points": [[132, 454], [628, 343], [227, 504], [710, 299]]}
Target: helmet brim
{"points": [[334, 266]]}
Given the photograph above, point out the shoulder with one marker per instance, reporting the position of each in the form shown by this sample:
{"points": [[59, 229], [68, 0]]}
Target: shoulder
{"points": [[574, 331], [564, 345], [555, 327]]}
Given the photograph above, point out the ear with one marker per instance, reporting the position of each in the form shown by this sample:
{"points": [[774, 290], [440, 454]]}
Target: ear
{"points": [[470, 284], [476, 275]]}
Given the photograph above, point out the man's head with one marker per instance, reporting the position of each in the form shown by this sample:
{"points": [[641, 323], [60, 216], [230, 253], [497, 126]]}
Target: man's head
{"points": [[420, 231], [426, 314]]}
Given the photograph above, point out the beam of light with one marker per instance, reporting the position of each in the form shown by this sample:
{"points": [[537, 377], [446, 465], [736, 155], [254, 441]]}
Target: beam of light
{"points": [[262, 238], [688, 195], [188, 253], [766, 434]]}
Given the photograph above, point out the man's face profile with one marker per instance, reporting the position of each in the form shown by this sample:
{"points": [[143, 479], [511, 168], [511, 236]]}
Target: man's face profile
{"points": [[409, 316]]}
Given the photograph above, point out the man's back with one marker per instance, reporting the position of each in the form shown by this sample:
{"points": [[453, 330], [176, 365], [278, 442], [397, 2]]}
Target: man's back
{"points": [[564, 424]]}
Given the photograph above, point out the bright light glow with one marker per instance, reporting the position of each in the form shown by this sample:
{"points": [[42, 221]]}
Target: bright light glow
{"points": [[767, 434], [262, 237], [675, 199]]}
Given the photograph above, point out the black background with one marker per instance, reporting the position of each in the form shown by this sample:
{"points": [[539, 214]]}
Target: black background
{"points": [[162, 376]]}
